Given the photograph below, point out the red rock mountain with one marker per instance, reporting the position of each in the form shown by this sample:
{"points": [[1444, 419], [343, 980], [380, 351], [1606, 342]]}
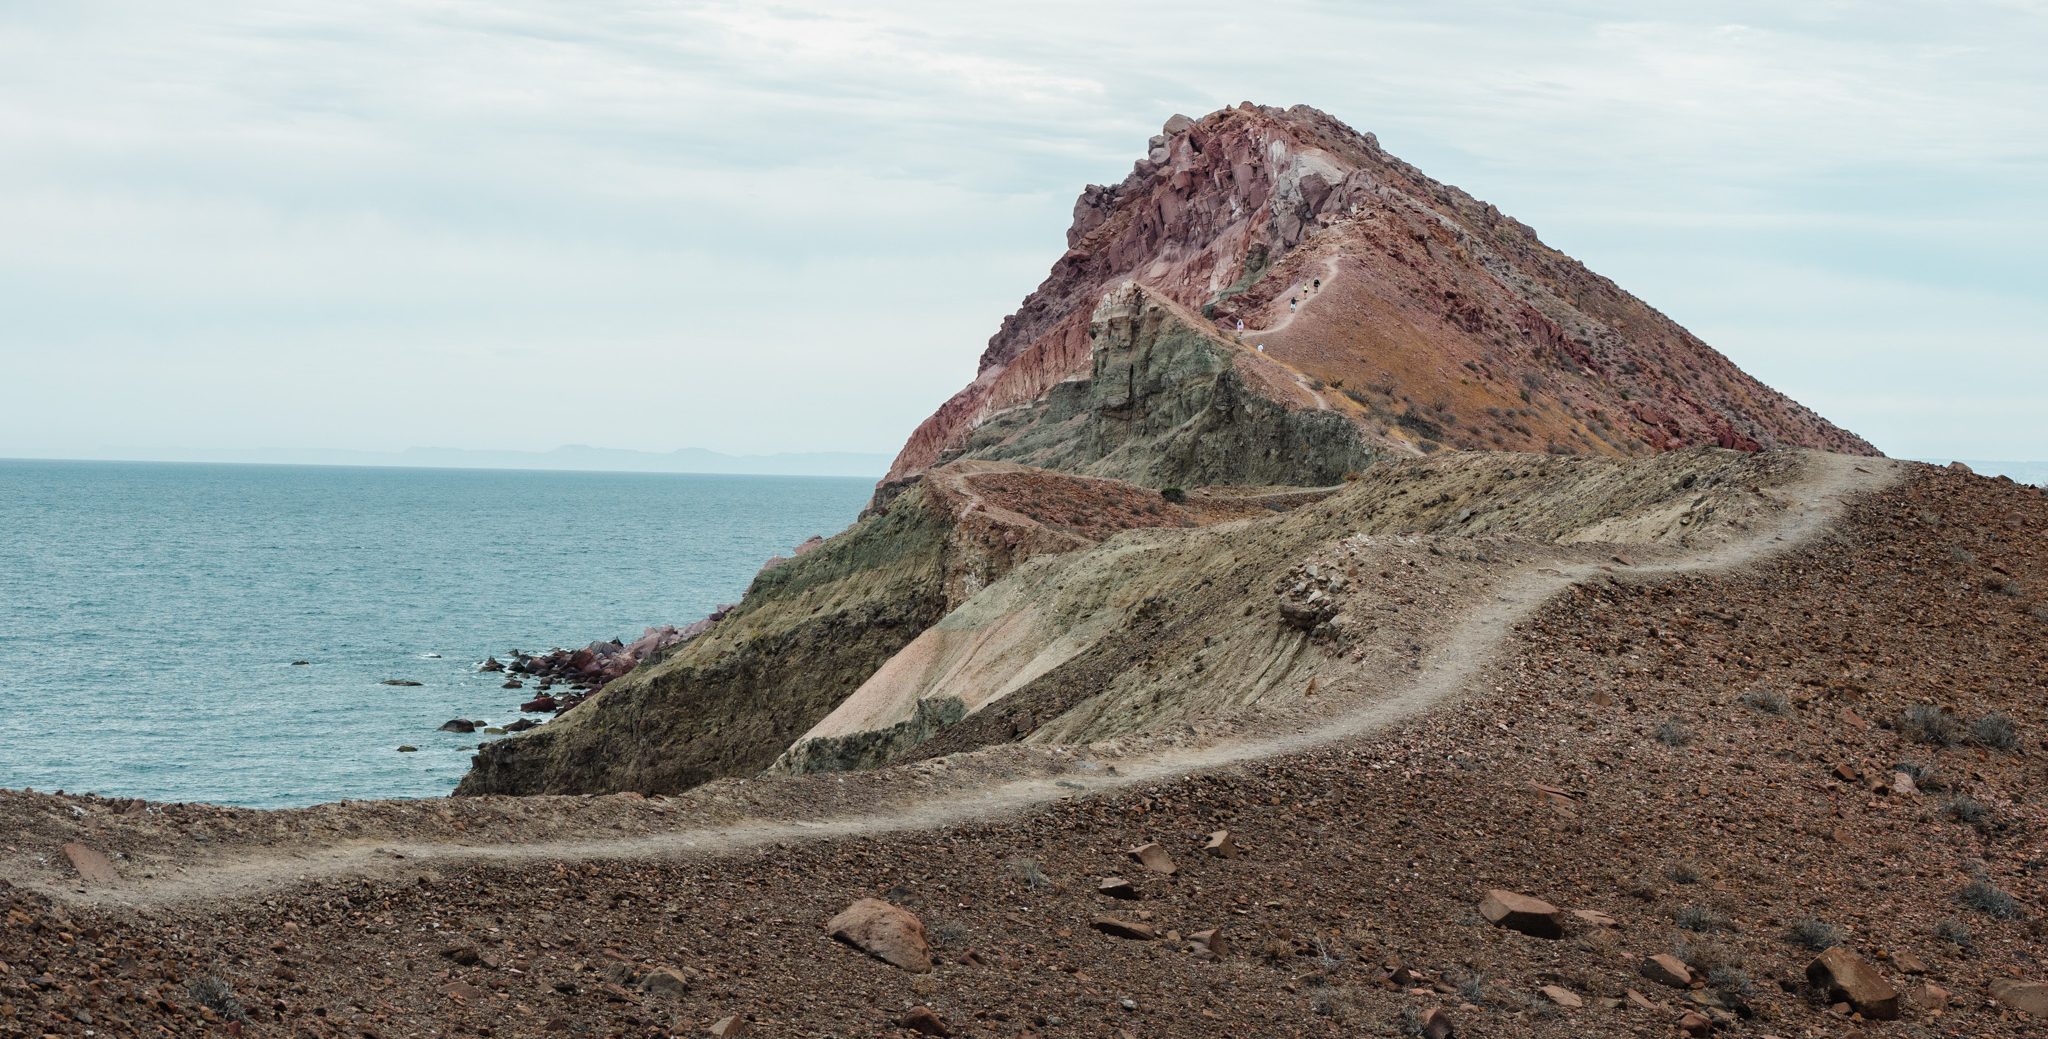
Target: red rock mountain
{"points": [[1438, 322]]}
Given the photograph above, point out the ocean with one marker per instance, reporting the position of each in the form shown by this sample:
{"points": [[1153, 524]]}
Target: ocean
{"points": [[150, 612]]}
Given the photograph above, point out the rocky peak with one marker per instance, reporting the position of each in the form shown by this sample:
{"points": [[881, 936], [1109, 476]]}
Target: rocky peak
{"points": [[1231, 215]]}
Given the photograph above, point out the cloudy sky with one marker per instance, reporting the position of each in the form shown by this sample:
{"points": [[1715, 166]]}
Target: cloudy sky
{"points": [[754, 227]]}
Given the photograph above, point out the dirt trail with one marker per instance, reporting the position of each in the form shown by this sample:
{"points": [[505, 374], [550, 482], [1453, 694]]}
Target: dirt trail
{"points": [[1329, 278], [1447, 671]]}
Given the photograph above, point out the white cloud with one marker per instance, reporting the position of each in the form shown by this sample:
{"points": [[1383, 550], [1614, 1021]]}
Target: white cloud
{"points": [[789, 225]]}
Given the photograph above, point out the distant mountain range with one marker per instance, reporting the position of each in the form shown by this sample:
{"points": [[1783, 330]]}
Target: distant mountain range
{"points": [[568, 456]]}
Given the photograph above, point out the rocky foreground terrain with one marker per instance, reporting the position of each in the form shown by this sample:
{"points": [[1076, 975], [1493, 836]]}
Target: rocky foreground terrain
{"points": [[1837, 746], [1460, 649]]}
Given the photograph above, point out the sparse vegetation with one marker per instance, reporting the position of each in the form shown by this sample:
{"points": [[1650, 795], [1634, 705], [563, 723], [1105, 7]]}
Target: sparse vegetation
{"points": [[1030, 873], [1968, 811], [1961, 555], [1982, 896], [1766, 701], [951, 934], [1814, 934], [1994, 731], [1174, 494], [1702, 919], [1957, 933], [1932, 724], [1683, 873], [214, 994], [1472, 988], [1731, 981], [1672, 733]]}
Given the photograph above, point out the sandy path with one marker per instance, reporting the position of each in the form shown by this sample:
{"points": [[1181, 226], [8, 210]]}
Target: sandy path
{"points": [[1329, 278], [1447, 671]]}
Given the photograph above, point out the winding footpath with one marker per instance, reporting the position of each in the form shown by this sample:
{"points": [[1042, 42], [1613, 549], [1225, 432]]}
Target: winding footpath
{"points": [[1449, 669]]}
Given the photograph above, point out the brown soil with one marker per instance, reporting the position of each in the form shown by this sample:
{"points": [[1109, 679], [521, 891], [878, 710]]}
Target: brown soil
{"points": [[1565, 772]]}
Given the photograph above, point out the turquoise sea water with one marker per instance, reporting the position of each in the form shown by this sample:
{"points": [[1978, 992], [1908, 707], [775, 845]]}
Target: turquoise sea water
{"points": [[150, 613]]}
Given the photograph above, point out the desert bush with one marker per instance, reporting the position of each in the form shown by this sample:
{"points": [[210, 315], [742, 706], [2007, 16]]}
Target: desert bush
{"points": [[1732, 981], [1472, 989], [1995, 732], [214, 994], [1767, 701], [1957, 933], [1966, 810], [1683, 873], [1931, 724], [1672, 733], [1961, 555], [1984, 898], [1174, 495], [1029, 871], [1701, 919], [1814, 934]]}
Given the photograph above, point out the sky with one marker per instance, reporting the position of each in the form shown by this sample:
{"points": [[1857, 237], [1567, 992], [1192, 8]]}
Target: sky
{"points": [[761, 227]]}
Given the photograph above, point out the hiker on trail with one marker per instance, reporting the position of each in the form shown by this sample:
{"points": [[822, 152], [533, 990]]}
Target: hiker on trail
{"points": [[1319, 284], [1291, 303], [1240, 330], [1262, 348]]}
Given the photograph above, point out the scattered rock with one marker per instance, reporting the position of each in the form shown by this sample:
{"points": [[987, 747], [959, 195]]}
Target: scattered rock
{"points": [[1221, 845], [2028, 997], [491, 664], [1563, 997], [522, 725], [1666, 969], [1118, 927], [301, 663], [1911, 963], [513, 683], [664, 981], [729, 1026], [1211, 939], [1595, 918], [1642, 1001], [1517, 912], [1930, 995], [884, 931], [1437, 1024], [407, 748], [1154, 858], [1845, 977], [458, 725], [464, 992], [464, 955], [92, 866], [1117, 887], [539, 704], [401, 682], [1694, 1023], [922, 1020]]}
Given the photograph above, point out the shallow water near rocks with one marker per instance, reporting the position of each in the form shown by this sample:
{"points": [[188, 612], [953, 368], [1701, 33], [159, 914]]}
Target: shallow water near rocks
{"points": [[150, 613]]}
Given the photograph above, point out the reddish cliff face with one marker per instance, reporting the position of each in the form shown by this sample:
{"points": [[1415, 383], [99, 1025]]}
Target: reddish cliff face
{"points": [[1439, 322]]}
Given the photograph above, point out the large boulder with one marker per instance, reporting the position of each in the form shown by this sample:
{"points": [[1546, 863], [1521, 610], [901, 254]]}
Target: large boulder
{"points": [[1846, 977], [1517, 912], [2029, 997], [888, 933]]}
